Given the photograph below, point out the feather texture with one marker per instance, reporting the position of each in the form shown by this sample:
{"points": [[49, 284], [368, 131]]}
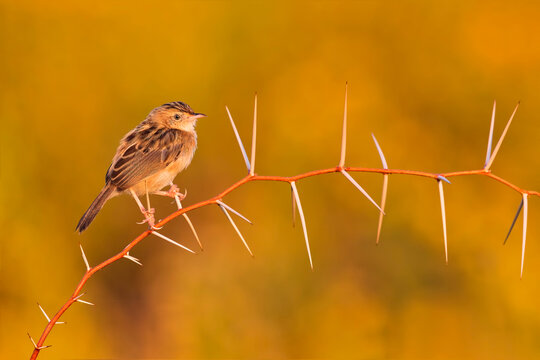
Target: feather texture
{"points": [[150, 150]]}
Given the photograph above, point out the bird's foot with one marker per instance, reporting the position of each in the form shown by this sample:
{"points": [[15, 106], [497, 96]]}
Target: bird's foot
{"points": [[174, 192], [149, 218]]}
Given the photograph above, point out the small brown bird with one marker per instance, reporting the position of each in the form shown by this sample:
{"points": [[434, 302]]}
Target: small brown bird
{"points": [[149, 157]]}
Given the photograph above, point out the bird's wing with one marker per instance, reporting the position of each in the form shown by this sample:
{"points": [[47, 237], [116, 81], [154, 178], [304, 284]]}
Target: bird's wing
{"points": [[142, 153]]}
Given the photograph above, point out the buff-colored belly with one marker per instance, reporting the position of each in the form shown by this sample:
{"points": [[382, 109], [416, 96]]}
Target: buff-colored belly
{"points": [[162, 178]]}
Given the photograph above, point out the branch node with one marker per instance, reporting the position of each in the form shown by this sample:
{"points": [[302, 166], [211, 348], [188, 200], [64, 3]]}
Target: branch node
{"points": [[48, 318], [35, 345], [132, 258], [440, 177]]}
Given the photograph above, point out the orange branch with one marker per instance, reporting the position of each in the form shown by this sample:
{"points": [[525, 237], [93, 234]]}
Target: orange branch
{"points": [[90, 272], [292, 181]]}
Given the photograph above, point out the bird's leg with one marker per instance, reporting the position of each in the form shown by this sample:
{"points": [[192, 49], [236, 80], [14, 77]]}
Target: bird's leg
{"points": [[173, 192], [148, 214], [147, 196]]}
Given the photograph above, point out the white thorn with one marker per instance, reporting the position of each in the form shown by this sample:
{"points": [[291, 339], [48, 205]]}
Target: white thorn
{"points": [[443, 213], [35, 345], [224, 209], [134, 259], [188, 220], [293, 208], [79, 296], [84, 258], [497, 147], [234, 211], [85, 302], [383, 203], [303, 220], [350, 178], [344, 131], [172, 241], [32, 340], [524, 241], [44, 313], [239, 140], [381, 155], [254, 139], [490, 138]]}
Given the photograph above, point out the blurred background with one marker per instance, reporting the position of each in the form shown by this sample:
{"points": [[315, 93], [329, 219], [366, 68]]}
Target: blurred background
{"points": [[75, 77]]}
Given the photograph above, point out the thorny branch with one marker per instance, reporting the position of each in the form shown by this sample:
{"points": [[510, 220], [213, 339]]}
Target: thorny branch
{"points": [[292, 181]]}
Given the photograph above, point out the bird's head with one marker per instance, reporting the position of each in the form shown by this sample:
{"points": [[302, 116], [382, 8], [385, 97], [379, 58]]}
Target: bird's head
{"points": [[177, 115]]}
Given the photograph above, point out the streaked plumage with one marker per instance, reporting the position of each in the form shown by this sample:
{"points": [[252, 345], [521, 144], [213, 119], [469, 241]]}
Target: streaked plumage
{"points": [[150, 156]]}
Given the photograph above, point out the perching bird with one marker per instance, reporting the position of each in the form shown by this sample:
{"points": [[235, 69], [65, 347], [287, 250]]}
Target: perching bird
{"points": [[149, 157]]}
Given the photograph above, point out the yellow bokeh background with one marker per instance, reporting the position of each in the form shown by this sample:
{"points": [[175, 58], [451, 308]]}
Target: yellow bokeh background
{"points": [[76, 76]]}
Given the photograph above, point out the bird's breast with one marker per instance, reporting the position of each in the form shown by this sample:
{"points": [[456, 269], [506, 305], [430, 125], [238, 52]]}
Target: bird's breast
{"points": [[164, 177]]}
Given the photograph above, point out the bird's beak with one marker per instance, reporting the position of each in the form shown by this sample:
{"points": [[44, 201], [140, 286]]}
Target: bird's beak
{"points": [[197, 116]]}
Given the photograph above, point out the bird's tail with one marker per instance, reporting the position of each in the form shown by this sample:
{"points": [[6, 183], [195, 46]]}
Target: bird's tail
{"points": [[105, 194]]}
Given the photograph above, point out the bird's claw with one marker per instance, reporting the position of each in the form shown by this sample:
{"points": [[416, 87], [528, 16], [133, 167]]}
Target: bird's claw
{"points": [[149, 218], [174, 191]]}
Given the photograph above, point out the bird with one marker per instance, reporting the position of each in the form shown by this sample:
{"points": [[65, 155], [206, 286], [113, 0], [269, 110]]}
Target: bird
{"points": [[148, 158]]}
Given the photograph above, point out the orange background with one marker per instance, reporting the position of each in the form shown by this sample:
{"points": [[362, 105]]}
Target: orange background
{"points": [[423, 76]]}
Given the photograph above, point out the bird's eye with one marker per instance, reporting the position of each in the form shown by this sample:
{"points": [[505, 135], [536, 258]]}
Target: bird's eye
{"points": [[177, 116]]}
